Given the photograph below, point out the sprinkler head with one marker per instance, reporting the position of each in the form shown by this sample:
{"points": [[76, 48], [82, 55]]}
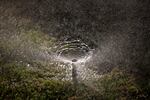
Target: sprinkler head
{"points": [[74, 60]]}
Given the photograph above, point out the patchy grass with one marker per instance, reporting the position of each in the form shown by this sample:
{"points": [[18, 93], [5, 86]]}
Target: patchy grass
{"points": [[120, 85], [17, 82]]}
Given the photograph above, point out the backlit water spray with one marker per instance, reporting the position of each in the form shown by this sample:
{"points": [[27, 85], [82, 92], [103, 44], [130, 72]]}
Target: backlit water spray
{"points": [[76, 54]]}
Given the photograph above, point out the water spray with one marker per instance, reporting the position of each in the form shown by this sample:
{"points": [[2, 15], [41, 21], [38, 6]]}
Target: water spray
{"points": [[75, 54]]}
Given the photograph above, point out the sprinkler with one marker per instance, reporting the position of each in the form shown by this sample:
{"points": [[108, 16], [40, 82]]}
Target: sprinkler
{"points": [[74, 74], [74, 60]]}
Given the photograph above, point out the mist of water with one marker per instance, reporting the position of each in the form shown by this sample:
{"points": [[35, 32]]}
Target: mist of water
{"points": [[76, 54]]}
